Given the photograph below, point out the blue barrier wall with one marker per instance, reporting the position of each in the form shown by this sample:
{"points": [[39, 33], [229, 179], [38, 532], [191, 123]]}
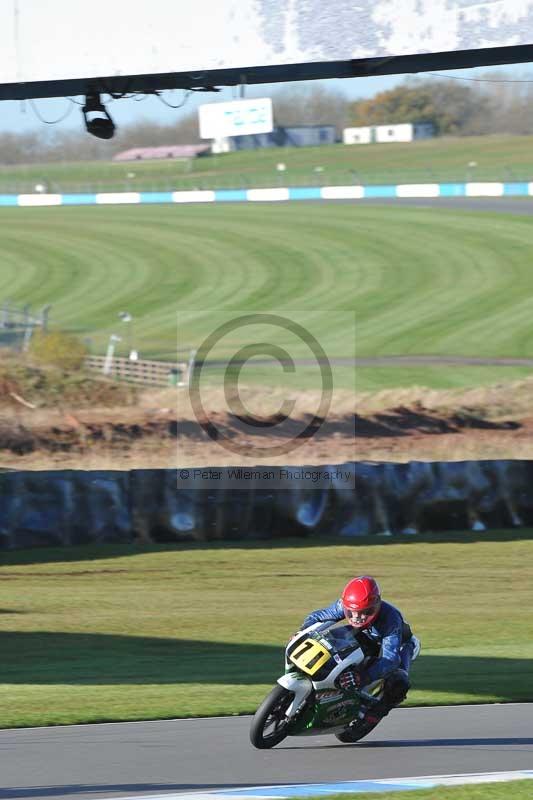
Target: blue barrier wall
{"points": [[75, 507], [353, 192]]}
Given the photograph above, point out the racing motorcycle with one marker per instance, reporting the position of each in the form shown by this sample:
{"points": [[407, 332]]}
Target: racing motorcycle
{"points": [[308, 699]]}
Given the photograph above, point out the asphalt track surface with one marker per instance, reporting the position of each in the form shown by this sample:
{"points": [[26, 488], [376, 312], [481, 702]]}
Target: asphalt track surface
{"points": [[199, 755], [508, 205]]}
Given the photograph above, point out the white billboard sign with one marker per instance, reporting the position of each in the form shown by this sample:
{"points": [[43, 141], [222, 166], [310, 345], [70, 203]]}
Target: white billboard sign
{"points": [[237, 118], [183, 42]]}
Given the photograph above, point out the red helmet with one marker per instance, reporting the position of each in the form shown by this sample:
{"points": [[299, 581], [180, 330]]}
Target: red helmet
{"points": [[361, 600]]}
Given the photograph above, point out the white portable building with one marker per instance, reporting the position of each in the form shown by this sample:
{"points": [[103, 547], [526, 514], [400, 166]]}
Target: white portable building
{"points": [[357, 135], [402, 132]]}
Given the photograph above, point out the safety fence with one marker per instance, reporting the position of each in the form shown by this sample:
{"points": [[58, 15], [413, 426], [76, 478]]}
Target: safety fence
{"points": [[280, 193], [18, 323], [146, 373], [353, 499]]}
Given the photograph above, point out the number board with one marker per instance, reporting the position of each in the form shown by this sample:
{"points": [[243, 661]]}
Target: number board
{"points": [[309, 656]]}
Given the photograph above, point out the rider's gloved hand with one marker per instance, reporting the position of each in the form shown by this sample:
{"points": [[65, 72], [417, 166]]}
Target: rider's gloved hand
{"points": [[349, 679]]}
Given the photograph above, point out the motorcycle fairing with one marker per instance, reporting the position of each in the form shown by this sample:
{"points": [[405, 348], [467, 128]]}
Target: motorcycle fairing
{"points": [[309, 656], [312, 653], [300, 686], [313, 664]]}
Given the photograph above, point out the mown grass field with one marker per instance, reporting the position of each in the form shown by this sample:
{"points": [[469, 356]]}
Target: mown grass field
{"points": [[492, 158], [114, 632], [418, 280]]}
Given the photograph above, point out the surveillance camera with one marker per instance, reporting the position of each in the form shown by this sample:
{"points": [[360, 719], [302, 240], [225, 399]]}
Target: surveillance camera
{"points": [[101, 125]]}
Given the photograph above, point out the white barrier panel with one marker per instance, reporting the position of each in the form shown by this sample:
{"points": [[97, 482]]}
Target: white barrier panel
{"points": [[193, 197], [342, 192], [418, 190], [118, 197], [295, 193], [39, 199], [267, 194], [484, 189]]}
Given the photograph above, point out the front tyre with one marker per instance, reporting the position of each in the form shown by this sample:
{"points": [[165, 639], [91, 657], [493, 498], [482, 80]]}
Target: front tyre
{"points": [[270, 725]]}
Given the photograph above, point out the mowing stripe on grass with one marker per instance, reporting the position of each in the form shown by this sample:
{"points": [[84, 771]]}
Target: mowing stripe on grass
{"points": [[412, 291]]}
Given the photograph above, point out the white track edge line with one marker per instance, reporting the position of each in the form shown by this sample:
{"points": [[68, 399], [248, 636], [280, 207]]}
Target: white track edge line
{"points": [[239, 791]]}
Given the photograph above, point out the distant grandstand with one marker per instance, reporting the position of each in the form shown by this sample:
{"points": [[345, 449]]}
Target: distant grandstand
{"points": [[166, 151]]}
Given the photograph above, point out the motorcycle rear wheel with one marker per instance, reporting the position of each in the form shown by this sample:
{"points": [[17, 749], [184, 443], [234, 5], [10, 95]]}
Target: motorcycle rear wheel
{"points": [[357, 732], [270, 726]]}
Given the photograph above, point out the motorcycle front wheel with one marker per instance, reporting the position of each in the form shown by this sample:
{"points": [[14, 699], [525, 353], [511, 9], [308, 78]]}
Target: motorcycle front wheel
{"points": [[269, 725]]}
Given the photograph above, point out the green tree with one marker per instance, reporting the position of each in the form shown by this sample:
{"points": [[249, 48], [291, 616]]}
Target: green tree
{"points": [[449, 105]]}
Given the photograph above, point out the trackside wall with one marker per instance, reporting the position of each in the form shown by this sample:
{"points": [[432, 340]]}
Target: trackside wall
{"points": [[76, 507], [272, 194]]}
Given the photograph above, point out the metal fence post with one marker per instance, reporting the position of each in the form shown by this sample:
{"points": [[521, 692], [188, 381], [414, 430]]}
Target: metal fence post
{"points": [[45, 313], [27, 338], [187, 377]]}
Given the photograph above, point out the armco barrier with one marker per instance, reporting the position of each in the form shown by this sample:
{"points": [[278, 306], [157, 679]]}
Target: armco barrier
{"points": [[75, 507], [277, 194]]}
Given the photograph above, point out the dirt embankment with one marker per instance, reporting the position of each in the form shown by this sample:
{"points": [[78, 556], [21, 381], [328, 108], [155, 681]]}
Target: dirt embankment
{"points": [[127, 438], [86, 424]]}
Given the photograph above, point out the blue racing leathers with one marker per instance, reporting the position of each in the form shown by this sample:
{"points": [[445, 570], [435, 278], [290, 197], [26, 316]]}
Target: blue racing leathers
{"points": [[389, 632]]}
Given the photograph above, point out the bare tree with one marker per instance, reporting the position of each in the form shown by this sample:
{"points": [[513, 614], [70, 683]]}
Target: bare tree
{"points": [[310, 105], [493, 105], [55, 144], [510, 102]]}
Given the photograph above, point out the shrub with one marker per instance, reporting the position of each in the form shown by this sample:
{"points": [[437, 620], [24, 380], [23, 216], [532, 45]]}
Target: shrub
{"points": [[58, 349]]}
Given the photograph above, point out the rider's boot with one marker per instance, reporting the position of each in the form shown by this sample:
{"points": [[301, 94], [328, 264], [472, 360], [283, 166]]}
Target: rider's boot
{"points": [[396, 687]]}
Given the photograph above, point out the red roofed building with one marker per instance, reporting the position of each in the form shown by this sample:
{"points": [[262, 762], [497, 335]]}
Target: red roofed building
{"points": [[167, 151]]}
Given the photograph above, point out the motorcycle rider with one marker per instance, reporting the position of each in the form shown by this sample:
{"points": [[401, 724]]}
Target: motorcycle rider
{"points": [[382, 633]]}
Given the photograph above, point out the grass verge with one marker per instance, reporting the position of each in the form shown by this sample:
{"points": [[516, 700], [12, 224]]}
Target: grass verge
{"points": [[512, 790], [497, 158], [115, 632]]}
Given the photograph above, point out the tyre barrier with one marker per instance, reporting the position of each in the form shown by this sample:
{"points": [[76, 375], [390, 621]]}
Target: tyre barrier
{"points": [[61, 508]]}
